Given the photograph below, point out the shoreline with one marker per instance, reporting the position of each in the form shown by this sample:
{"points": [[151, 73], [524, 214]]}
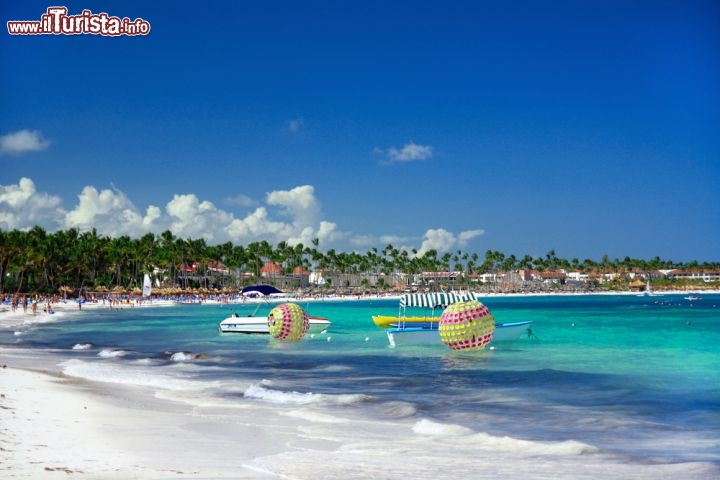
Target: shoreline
{"points": [[53, 426], [69, 307]]}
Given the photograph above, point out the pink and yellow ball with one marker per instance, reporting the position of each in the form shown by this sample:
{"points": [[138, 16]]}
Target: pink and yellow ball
{"points": [[466, 326], [288, 321]]}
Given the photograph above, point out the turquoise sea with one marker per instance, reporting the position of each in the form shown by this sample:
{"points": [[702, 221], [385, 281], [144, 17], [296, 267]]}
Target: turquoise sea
{"points": [[611, 381]]}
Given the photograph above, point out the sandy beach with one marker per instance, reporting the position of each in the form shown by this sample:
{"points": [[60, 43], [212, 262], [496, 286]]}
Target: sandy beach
{"points": [[53, 427], [56, 426]]}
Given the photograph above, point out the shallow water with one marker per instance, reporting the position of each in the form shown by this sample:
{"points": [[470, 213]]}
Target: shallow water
{"points": [[631, 377]]}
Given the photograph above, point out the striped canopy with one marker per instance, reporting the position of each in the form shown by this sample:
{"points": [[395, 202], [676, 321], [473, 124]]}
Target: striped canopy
{"points": [[432, 300]]}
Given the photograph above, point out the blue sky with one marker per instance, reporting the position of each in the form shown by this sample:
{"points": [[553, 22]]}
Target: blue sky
{"points": [[587, 127]]}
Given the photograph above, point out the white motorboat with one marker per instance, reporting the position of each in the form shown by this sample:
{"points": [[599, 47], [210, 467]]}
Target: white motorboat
{"points": [[258, 324], [255, 323]]}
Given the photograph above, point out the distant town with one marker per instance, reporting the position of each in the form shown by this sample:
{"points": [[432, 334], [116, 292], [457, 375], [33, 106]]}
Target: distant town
{"points": [[70, 262]]}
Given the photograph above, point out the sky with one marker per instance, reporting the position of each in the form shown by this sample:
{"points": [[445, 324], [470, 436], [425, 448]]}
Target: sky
{"points": [[589, 128]]}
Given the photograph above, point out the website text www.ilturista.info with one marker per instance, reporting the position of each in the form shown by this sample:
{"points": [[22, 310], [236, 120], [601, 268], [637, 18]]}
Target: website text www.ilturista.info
{"points": [[56, 21]]}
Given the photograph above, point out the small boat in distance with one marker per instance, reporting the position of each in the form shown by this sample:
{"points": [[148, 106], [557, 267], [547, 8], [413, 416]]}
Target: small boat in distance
{"points": [[147, 286], [648, 292]]}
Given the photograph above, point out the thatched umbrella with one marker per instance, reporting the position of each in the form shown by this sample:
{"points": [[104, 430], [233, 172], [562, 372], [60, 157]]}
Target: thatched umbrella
{"points": [[65, 290]]}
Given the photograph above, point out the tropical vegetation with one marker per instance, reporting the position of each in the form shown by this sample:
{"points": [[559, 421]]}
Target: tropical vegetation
{"points": [[38, 261]]}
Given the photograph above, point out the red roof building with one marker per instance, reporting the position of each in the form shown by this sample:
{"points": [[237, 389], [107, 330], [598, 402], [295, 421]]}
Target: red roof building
{"points": [[270, 269]]}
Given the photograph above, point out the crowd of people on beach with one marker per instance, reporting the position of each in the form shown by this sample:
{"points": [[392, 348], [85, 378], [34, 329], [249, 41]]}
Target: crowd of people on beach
{"points": [[24, 301]]}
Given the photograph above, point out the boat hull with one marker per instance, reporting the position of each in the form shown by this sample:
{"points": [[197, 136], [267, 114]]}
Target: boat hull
{"points": [[259, 325], [389, 321], [417, 335]]}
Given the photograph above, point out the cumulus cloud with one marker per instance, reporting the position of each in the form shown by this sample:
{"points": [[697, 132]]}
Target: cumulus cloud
{"points": [[299, 203], [466, 236], [257, 226], [110, 212], [329, 233], [192, 218], [409, 153], [22, 141], [443, 241], [293, 216], [22, 207]]}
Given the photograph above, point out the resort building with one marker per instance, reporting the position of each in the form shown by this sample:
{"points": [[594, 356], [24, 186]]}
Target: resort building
{"points": [[706, 276], [271, 270]]}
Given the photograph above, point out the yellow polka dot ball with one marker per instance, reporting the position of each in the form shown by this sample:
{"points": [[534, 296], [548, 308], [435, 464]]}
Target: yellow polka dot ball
{"points": [[466, 326], [288, 321]]}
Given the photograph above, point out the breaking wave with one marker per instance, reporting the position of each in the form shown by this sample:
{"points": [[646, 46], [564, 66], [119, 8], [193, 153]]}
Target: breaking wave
{"points": [[296, 398]]}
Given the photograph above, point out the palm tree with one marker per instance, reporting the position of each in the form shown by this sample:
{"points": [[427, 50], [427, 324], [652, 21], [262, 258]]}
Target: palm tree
{"points": [[165, 256]]}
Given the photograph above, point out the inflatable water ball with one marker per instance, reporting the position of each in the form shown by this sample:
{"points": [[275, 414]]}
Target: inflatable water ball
{"points": [[288, 321], [466, 326]]}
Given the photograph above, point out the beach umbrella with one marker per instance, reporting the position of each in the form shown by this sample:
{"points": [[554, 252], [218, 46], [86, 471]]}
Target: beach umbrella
{"points": [[466, 326], [288, 321]]}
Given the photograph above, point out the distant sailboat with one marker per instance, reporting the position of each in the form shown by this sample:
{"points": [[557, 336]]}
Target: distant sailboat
{"points": [[147, 286], [649, 291]]}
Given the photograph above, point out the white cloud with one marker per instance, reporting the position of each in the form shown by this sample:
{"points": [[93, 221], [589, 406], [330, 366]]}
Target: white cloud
{"points": [[241, 200], [110, 212], [437, 239], [363, 241], [192, 218], [299, 203], [443, 241], [394, 240], [22, 207], [409, 153], [22, 141], [295, 125], [466, 236], [257, 226], [291, 215], [328, 233]]}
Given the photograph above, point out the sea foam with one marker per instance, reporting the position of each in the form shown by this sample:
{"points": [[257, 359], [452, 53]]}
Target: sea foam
{"points": [[130, 375], [426, 427], [82, 346], [507, 444], [296, 398], [112, 353], [184, 356]]}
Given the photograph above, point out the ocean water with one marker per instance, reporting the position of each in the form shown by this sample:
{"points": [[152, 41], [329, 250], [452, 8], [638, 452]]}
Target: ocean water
{"points": [[617, 386]]}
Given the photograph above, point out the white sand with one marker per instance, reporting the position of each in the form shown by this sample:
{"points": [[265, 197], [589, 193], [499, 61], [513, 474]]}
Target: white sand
{"points": [[52, 426]]}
